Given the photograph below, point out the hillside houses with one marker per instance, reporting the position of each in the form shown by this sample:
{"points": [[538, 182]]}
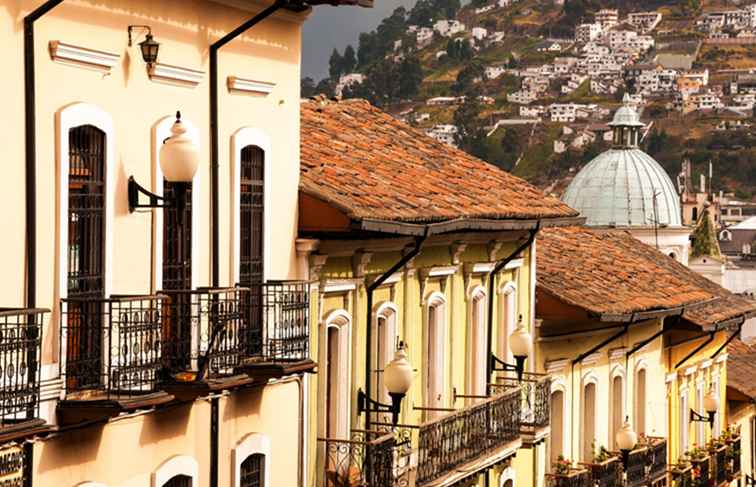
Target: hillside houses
{"points": [[644, 21]]}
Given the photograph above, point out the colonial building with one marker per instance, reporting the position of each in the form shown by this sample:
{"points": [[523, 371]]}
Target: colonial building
{"points": [[632, 338], [154, 329], [625, 188], [412, 242]]}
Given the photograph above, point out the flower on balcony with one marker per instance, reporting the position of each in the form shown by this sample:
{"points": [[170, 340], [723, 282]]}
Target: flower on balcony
{"points": [[601, 455], [697, 453], [562, 465]]}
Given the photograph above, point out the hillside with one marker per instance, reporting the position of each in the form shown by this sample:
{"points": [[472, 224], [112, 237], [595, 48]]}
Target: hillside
{"points": [[529, 85]]}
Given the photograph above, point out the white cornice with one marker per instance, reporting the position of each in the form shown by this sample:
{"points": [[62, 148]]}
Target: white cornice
{"points": [[167, 73], [705, 364], [617, 353], [591, 359], [82, 56], [514, 263], [442, 271], [483, 267], [669, 378], [250, 86], [721, 358], [339, 286], [558, 366]]}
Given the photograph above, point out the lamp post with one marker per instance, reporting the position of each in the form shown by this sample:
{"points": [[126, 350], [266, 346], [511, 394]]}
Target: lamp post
{"points": [[397, 377], [626, 440], [148, 46], [711, 405], [521, 344]]}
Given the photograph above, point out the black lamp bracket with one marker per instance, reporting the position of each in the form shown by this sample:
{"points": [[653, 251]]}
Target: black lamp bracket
{"points": [[498, 365], [696, 417], [138, 27], [368, 405], [135, 189]]}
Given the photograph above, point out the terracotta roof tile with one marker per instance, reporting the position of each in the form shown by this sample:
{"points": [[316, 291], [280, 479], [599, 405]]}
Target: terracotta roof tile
{"points": [[372, 166], [741, 367], [611, 272]]}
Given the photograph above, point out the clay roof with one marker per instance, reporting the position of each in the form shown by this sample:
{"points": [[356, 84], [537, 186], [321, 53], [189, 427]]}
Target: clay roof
{"points": [[741, 367], [371, 166], [612, 275]]}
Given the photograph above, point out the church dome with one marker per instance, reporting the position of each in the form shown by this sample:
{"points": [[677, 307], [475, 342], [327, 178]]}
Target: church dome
{"points": [[624, 186]]}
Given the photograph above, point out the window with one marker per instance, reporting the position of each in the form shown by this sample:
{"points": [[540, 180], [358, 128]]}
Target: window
{"points": [[336, 366], [508, 318], [435, 349], [179, 481], [684, 421], [618, 413], [477, 337], [253, 471], [640, 401], [700, 426], [251, 208], [588, 421], [556, 440], [725, 236], [384, 346]]}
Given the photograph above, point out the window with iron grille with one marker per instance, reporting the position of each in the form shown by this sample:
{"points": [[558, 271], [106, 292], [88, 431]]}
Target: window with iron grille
{"points": [[253, 471], [179, 481], [251, 210], [85, 260]]}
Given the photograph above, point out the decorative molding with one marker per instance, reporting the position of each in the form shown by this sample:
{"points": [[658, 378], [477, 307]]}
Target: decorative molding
{"points": [[705, 364], [249, 86], [82, 56], [390, 280], [514, 263], [558, 366], [591, 359], [360, 261], [617, 353], [253, 443], [339, 286], [167, 73], [483, 267], [690, 370], [317, 262], [178, 465], [457, 248], [442, 271], [492, 248], [669, 378], [721, 358], [307, 245]]}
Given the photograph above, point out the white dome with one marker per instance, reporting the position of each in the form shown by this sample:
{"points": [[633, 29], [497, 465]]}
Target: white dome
{"points": [[617, 188]]}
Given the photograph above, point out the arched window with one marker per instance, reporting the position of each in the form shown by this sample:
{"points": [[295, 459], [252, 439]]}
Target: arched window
{"points": [[435, 350], [617, 408], [336, 365], [725, 235], [251, 210], [253, 471], [556, 440], [588, 421], [640, 401], [384, 346], [508, 320], [179, 481], [477, 338]]}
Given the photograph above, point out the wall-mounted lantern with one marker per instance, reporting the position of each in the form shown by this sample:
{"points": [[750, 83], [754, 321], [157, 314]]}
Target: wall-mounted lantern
{"points": [[148, 46], [521, 344], [397, 377], [711, 405], [626, 440], [179, 160]]}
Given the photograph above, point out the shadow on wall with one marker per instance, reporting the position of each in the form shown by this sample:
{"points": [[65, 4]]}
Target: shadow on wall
{"points": [[244, 402], [748, 334], [160, 425], [59, 452]]}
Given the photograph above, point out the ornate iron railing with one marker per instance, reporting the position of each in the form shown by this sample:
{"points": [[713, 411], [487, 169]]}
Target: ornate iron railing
{"points": [[575, 478], [606, 474], [734, 454], [635, 473], [368, 459], [719, 460], [468, 434], [286, 326], [20, 343], [682, 476], [536, 399], [113, 346], [657, 458], [701, 470]]}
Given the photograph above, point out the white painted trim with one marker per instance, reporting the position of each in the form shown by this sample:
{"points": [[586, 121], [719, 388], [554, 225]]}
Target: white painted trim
{"points": [[483, 267], [253, 443], [508, 287], [242, 138], [178, 465], [721, 358], [507, 474], [514, 263], [670, 378], [161, 131], [556, 366], [442, 271], [392, 279], [477, 340], [587, 379], [91, 484], [690, 370], [235, 83], [476, 292], [617, 353], [705, 364], [592, 358], [176, 75], [341, 320], [82, 56], [435, 299], [339, 287], [617, 371], [389, 311]]}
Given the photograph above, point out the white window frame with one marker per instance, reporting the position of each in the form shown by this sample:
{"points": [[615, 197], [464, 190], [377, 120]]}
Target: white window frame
{"points": [[507, 318], [435, 300], [617, 371], [641, 366], [559, 385], [253, 443], [161, 131], [67, 118], [242, 138], [588, 379], [177, 465], [390, 313], [477, 338], [341, 320], [684, 420]]}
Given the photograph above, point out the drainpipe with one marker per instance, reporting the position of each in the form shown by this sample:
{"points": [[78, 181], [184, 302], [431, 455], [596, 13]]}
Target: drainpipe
{"points": [[500, 265], [30, 145], [369, 320], [214, 132]]}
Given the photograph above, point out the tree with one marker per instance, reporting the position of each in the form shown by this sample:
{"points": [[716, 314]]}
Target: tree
{"points": [[335, 65], [410, 77], [467, 76], [349, 60], [471, 137], [307, 87]]}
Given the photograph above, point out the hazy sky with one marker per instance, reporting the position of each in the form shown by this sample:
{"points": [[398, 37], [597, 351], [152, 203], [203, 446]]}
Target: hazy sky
{"points": [[330, 27]]}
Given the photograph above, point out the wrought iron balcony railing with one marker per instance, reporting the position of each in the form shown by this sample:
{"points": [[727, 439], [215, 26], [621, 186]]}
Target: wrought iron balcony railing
{"points": [[20, 343], [657, 460], [535, 392], [607, 473], [719, 463], [701, 470], [682, 476], [285, 333], [468, 434], [574, 478], [113, 346], [733, 453], [637, 462], [367, 459]]}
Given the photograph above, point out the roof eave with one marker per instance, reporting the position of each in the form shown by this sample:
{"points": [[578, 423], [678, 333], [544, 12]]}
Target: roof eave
{"points": [[463, 224], [639, 316]]}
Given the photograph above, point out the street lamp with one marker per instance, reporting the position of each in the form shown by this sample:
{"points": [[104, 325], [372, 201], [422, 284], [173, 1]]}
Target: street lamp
{"points": [[626, 440], [397, 377], [179, 160], [148, 46], [711, 405], [521, 344]]}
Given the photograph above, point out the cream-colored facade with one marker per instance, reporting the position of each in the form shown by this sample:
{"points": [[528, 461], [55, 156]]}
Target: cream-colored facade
{"points": [[88, 76]]}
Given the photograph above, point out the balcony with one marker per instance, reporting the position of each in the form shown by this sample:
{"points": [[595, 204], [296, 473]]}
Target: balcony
{"points": [[469, 441], [606, 473], [637, 463], [682, 475], [367, 459], [571, 478], [535, 389], [20, 343], [113, 352], [657, 461], [719, 464], [733, 454]]}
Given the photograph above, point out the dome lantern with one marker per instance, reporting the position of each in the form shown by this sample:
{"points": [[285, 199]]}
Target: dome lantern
{"points": [[626, 125]]}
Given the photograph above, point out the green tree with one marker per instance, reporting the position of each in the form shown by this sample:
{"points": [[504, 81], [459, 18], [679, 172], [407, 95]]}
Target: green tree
{"points": [[349, 60], [410, 77], [335, 65], [307, 87], [467, 77], [471, 136]]}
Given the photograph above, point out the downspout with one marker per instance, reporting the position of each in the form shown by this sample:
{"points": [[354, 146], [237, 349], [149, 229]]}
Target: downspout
{"points": [[500, 265], [369, 313], [30, 145], [214, 131]]}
